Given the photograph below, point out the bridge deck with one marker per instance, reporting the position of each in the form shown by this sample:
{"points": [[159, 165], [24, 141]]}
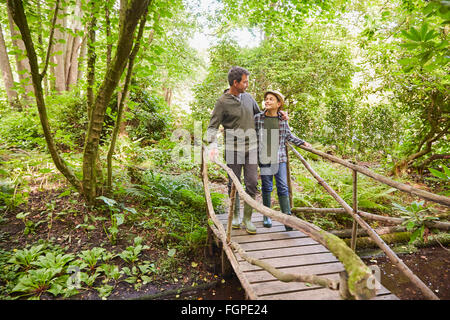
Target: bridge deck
{"points": [[289, 251]]}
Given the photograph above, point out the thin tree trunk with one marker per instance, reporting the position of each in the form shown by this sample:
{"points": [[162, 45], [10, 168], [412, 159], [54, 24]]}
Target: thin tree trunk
{"points": [[22, 63], [73, 62], [131, 13], [123, 97], [58, 57], [91, 59], [8, 78], [17, 13], [73, 47], [108, 35], [81, 59]]}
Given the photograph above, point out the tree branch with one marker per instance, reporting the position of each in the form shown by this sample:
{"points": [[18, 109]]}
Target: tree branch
{"points": [[50, 41]]}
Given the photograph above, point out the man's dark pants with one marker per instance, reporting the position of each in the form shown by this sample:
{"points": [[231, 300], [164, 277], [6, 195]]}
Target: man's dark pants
{"points": [[238, 160]]}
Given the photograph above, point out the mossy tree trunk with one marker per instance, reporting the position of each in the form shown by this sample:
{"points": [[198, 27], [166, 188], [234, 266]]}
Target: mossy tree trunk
{"points": [[130, 14], [122, 98], [17, 12]]}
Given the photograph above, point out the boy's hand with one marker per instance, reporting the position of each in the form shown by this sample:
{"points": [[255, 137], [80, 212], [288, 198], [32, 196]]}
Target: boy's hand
{"points": [[284, 115]]}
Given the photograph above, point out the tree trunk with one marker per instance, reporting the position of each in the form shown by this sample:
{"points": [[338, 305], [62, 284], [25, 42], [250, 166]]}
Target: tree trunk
{"points": [[432, 137], [17, 13], [108, 34], [122, 98], [130, 14], [22, 63], [74, 52], [91, 59], [58, 54], [81, 59], [8, 79]]}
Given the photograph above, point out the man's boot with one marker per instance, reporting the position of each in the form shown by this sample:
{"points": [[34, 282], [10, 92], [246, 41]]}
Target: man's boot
{"points": [[267, 222], [285, 207], [249, 226], [236, 223]]}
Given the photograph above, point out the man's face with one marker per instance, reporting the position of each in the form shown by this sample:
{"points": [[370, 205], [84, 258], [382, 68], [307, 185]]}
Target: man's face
{"points": [[243, 85]]}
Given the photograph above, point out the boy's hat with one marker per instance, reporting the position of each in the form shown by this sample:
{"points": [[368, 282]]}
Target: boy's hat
{"points": [[277, 94]]}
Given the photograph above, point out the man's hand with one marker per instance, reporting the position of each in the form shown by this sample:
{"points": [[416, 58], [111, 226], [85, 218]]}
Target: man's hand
{"points": [[212, 153], [306, 144]]}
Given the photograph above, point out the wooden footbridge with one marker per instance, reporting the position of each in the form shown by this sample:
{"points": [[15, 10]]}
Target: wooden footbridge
{"points": [[306, 263]]}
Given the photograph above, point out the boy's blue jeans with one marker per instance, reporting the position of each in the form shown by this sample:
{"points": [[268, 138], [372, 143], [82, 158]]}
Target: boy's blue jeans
{"points": [[278, 170]]}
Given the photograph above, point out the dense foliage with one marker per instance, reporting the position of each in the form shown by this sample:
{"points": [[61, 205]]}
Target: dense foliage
{"points": [[88, 151]]}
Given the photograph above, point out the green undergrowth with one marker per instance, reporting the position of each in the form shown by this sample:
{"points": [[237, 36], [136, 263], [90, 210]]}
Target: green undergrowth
{"points": [[372, 196]]}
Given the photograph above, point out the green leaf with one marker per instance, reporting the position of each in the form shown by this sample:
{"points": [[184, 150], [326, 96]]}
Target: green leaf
{"points": [[172, 252], [439, 174], [415, 35], [105, 291], [447, 171], [410, 45], [108, 201], [423, 31], [120, 218], [411, 35], [431, 34]]}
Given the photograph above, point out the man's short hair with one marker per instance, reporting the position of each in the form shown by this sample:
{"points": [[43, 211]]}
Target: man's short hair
{"points": [[235, 73]]}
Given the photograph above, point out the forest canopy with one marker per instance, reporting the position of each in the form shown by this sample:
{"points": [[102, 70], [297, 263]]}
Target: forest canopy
{"points": [[368, 79]]}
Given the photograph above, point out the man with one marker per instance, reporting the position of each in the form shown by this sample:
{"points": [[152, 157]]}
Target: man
{"points": [[235, 111]]}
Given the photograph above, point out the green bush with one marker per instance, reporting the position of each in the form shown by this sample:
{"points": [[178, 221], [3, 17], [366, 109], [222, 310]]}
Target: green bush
{"points": [[149, 116], [68, 116], [178, 204], [21, 129]]}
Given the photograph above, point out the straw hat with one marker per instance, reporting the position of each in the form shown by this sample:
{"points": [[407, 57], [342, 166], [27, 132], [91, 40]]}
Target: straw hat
{"points": [[277, 94]]}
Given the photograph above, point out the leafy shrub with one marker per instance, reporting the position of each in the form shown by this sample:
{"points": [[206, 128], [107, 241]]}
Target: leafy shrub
{"points": [[179, 204], [68, 114], [21, 129], [149, 118]]}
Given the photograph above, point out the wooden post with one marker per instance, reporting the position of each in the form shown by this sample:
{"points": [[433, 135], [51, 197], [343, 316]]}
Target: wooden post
{"points": [[289, 181], [373, 235], [231, 211], [355, 209], [343, 286]]}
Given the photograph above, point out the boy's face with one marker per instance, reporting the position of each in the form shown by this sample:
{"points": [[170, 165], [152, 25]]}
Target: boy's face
{"points": [[271, 102], [243, 85]]}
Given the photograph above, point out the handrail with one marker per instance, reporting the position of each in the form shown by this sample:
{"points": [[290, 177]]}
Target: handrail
{"points": [[359, 275], [398, 185], [373, 235]]}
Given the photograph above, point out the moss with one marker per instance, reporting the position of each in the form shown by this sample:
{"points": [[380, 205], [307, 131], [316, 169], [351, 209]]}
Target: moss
{"points": [[366, 242], [358, 272]]}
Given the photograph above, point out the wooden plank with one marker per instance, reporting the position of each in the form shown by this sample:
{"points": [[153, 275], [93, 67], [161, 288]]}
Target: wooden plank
{"points": [[315, 294], [318, 294], [292, 261], [252, 246], [386, 297], [268, 236], [318, 269], [285, 252], [278, 287], [259, 229]]}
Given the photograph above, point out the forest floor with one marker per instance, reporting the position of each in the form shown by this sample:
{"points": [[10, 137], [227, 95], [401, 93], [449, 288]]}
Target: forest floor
{"points": [[63, 231], [66, 225]]}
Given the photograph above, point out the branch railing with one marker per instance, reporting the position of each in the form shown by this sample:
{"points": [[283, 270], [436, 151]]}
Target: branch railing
{"points": [[356, 214], [357, 281], [358, 275]]}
